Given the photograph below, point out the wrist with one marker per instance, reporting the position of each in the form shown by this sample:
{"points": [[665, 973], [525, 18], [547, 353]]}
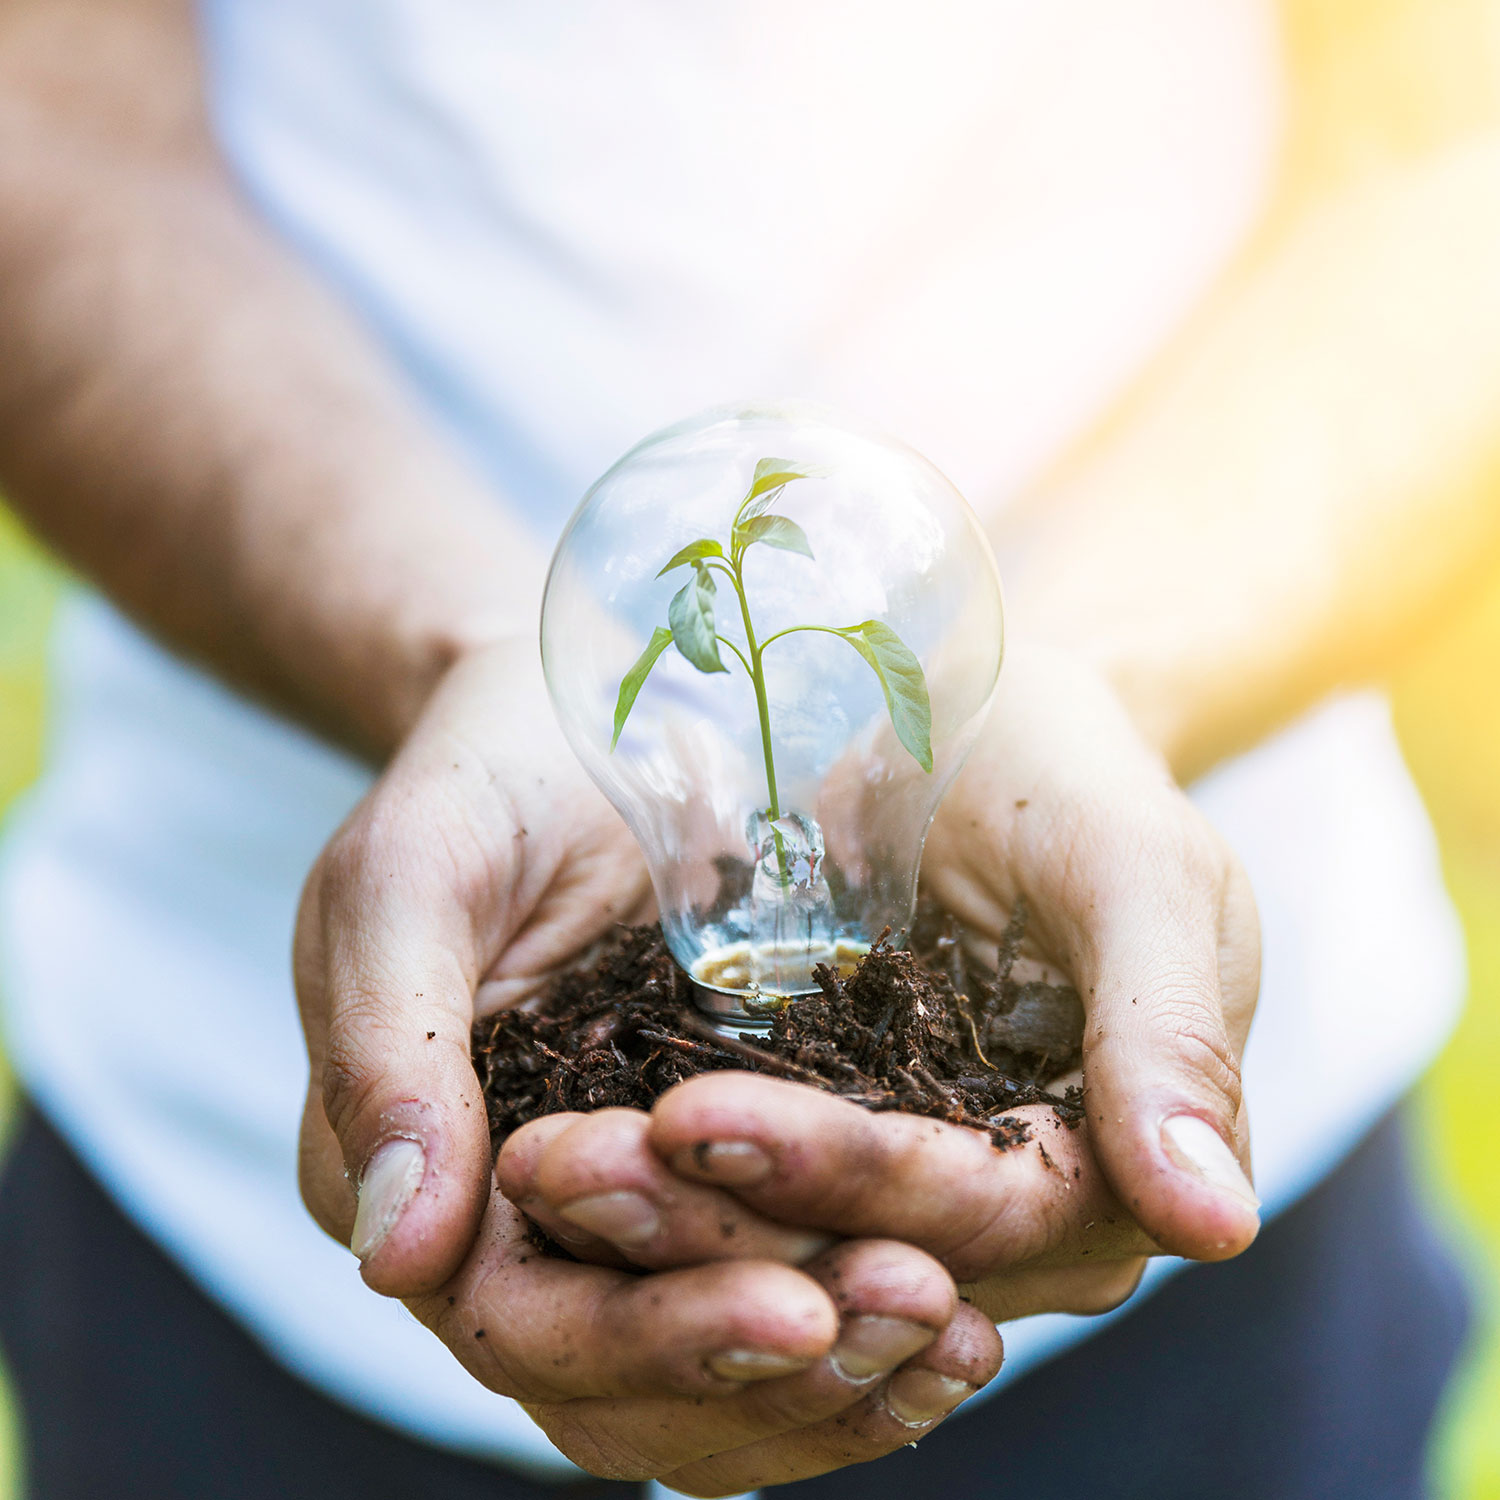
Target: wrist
{"points": [[450, 582], [1098, 669], [466, 652]]}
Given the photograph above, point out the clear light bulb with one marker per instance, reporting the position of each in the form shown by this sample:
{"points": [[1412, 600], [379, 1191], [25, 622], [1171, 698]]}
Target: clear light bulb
{"points": [[771, 638]]}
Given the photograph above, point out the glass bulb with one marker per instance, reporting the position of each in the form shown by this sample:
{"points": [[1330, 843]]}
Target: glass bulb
{"points": [[771, 638]]}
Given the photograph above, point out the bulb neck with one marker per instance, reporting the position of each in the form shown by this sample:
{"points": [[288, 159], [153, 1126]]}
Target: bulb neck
{"points": [[732, 1011], [726, 987]]}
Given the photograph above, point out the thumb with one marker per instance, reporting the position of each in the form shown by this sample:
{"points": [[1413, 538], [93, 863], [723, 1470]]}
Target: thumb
{"points": [[1169, 971], [395, 1157]]}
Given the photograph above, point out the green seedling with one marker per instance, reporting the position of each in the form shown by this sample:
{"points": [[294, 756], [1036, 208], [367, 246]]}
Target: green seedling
{"points": [[690, 627]]}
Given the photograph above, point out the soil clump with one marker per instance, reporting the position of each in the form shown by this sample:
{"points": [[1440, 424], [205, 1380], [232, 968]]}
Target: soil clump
{"points": [[927, 1029]]}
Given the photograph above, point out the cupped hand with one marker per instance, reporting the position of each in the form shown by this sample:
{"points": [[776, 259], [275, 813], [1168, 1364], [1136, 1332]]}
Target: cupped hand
{"points": [[481, 861], [1139, 903]]}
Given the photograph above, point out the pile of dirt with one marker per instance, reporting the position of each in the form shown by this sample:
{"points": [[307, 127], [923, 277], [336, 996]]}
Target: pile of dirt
{"points": [[928, 1030]]}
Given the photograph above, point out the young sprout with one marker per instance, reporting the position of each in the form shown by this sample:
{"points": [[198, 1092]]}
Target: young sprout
{"points": [[691, 628]]}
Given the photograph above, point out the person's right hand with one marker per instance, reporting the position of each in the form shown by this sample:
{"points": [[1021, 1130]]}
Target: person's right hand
{"points": [[481, 861]]}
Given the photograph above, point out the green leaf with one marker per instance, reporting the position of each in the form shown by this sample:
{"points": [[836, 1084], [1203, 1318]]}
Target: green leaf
{"points": [[691, 616], [902, 682], [774, 531], [635, 678], [771, 475], [705, 547]]}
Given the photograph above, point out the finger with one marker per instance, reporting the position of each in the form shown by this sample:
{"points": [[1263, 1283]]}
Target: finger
{"points": [[921, 1394], [545, 1330], [1161, 1060], [388, 1021], [515, 1174], [460, 864], [806, 1157], [600, 1175], [1132, 891], [894, 1301], [393, 1152]]}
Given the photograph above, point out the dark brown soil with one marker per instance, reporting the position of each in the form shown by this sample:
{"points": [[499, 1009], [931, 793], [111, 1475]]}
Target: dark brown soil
{"points": [[929, 1031]]}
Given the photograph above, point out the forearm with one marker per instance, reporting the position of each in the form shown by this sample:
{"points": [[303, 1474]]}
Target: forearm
{"points": [[194, 422], [1304, 482]]}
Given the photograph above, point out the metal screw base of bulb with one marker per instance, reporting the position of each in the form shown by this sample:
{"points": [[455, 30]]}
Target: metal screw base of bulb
{"points": [[732, 1011], [730, 1005]]}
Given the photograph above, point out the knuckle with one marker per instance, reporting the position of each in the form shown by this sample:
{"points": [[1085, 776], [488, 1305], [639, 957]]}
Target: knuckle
{"points": [[1157, 841], [1200, 851], [834, 1181], [1052, 1225], [1043, 1225], [384, 829], [974, 1244], [642, 1345], [352, 853], [1148, 827], [417, 842], [361, 1046], [1200, 1047], [911, 1163], [407, 831], [1024, 1224], [1168, 836]]}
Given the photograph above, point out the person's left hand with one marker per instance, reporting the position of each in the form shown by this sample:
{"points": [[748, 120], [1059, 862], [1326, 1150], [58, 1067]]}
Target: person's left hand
{"points": [[1138, 901]]}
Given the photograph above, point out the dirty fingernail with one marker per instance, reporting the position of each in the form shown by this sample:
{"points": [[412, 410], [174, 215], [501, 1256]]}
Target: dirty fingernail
{"points": [[1198, 1148], [625, 1219], [388, 1183], [736, 1162], [869, 1346], [916, 1397], [752, 1364]]}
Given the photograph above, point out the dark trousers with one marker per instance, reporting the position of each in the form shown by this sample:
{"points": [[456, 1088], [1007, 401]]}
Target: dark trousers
{"points": [[1308, 1369]]}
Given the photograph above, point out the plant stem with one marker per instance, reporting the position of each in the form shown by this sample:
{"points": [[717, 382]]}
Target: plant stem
{"points": [[843, 635], [758, 680], [725, 641]]}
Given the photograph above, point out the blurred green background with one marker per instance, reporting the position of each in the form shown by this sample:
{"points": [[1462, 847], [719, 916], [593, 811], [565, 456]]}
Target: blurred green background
{"points": [[28, 589], [1448, 709]]}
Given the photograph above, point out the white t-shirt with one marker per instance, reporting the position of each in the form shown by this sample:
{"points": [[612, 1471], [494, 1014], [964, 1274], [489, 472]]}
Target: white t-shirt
{"points": [[968, 221]]}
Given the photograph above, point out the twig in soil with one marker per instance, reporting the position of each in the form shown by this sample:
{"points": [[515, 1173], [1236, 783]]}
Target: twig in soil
{"points": [[738, 1047]]}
